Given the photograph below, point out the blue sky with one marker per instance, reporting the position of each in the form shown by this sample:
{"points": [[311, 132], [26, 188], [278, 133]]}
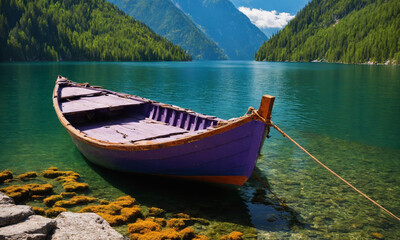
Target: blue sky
{"points": [[270, 15]]}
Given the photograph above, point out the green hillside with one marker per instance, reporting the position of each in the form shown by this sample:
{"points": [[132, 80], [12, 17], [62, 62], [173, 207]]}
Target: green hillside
{"points": [[44, 30], [346, 31], [167, 20]]}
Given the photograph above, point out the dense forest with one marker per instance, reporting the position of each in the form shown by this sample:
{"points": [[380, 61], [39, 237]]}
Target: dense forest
{"points": [[346, 31], [174, 25], [48, 30]]}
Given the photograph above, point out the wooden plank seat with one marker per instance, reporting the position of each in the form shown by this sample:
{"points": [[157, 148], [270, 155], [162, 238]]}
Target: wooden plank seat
{"points": [[130, 129], [74, 92], [95, 103]]}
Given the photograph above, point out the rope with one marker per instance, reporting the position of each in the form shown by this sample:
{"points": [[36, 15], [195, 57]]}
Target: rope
{"points": [[269, 123], [282, 202]]}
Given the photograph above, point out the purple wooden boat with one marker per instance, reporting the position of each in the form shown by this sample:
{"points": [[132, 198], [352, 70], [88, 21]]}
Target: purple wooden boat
{"points": [[133, 134]]}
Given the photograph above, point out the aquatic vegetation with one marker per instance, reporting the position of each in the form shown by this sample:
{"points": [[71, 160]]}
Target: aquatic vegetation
{"points": [[131, 213], [233, 236], [187, 233], [126, 201], [67, 194], [119, 212], [377, 235], [17, 193], [75, 201], [176, 223], [104, 202], [155, 212], [49, 201], [75, 186], [38, 197], [27, 176], [53, 212], [40, 189], [123, 211], [53, 172], [181, 215], [201, 237], [143, 226], [170, 234], [5, 175], [39, 211]]}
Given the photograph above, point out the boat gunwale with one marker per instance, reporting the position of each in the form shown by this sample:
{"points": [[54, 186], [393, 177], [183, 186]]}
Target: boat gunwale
{"points": [[144, 145]]}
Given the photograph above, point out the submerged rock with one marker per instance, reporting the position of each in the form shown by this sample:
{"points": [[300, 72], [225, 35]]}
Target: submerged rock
{"points": [[83, 226], [34, 227]]}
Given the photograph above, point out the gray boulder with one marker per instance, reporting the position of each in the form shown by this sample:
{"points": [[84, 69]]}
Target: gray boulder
{"points": [[10, 214], [34, 227], [71, 226], [4, 199]]}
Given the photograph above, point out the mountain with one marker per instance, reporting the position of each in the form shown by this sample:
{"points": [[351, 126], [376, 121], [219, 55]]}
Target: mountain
{"points": [[167, 20], [226, 25], [45, 30], [346, 31]]}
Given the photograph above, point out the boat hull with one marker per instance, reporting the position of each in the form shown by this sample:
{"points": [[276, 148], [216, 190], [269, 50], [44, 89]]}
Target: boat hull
{"points": [[228, 157]]}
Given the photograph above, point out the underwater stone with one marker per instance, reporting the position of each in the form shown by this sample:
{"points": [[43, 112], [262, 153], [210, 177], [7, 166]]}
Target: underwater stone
{"points": [[34, 227], [83, 226]]}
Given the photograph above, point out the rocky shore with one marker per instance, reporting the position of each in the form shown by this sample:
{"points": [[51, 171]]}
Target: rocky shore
{"points": [[20, 222]]}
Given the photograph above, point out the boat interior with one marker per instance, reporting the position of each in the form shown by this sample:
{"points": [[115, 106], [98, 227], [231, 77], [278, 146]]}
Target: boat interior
{"points": [[119, 118]]}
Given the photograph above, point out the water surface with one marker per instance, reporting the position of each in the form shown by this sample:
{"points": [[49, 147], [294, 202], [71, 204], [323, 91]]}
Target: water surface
{"points": [[347, 115]]}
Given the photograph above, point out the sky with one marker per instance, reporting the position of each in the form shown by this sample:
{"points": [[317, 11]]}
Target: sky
{"points": [[270, 15]]}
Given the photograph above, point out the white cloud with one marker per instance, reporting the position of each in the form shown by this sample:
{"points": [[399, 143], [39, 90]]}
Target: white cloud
{"points": [[266, 19]]}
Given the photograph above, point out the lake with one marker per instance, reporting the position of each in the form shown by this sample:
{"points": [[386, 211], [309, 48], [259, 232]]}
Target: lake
{"points": [[348, 116]]}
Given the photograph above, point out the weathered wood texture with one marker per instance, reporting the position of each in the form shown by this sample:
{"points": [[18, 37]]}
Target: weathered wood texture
{"points": [[69, 92], [130, 130], [96, 103]]}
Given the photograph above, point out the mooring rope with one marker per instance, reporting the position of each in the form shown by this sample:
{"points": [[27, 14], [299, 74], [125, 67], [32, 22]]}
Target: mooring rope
{"points": [[269, 123]]}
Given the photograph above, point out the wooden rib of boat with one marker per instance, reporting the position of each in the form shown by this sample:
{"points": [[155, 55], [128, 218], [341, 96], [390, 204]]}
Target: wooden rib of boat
{"points": [[133, 134]]}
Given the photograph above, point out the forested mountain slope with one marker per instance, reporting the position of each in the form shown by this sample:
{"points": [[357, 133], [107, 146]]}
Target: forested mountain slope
{"points": [[45, 30], [226, 25], [170, 22], [346, 31]]}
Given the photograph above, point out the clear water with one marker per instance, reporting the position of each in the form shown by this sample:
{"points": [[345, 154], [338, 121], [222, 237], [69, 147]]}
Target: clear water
{"points": [[348, 116]]}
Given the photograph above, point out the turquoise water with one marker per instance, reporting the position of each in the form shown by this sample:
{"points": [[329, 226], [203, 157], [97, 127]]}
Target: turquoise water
{"points": [[348, 116]]}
